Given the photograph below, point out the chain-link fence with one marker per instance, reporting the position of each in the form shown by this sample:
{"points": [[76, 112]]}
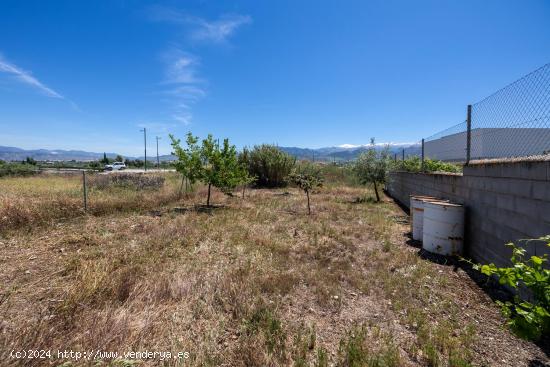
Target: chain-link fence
{"points": [[512, 122]]}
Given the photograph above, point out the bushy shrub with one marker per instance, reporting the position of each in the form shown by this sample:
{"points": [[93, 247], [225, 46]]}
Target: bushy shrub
{"points": [[17, 169], [135, 181], [414, 164], [270, 165]]}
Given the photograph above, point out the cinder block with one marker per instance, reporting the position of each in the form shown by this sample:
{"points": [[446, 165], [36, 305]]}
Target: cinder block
{"points": [[525, 170], [505, 201], [526, 207], [543, 212], [541, 190], [523, 188], [474, 170]]}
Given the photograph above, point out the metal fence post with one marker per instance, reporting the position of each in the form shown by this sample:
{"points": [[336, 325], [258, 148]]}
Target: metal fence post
{"points": [[468, 134], [85, 193], [422, 155]]}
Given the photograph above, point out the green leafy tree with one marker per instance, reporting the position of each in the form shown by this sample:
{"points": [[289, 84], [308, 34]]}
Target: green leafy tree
{"points": [[189, 162], [307, 177], [30, 160], [529, 319], [221, 167], [371, 167], [213, 165], [119, 158]]}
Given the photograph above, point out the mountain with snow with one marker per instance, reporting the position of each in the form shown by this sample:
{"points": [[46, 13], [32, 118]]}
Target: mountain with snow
{"points": [[344, 152]]}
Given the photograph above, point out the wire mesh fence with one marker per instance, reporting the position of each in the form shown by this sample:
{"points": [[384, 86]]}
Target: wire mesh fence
{"points": [[512, 122]]}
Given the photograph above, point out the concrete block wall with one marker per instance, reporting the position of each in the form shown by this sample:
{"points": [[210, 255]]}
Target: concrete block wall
{"points": [[504, 202]]}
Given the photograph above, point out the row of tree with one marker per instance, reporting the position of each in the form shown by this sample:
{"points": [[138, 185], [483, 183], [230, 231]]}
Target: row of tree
{"points": [[220, 166]]}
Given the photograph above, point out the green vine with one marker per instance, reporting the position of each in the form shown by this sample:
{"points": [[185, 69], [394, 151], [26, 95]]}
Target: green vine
{"points": [[528, 319]]}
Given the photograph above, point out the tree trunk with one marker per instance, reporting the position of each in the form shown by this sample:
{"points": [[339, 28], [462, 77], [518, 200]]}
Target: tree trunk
{"points": [[244, 187], [376, 191], [181, 187], [308, 207], [208, 199]]}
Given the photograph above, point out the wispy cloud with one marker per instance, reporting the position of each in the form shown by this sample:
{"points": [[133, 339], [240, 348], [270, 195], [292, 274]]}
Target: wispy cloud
{"points": [[181, 67], [185, 87], [27, 78], [157, 127], [217, 31]]}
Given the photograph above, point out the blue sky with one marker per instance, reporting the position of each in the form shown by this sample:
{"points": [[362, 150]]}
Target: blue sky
{"points": [[89, 75]]}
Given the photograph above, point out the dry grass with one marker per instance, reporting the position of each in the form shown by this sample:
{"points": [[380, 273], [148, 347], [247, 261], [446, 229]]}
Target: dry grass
{"points": [[44, 199], [254, 283]]}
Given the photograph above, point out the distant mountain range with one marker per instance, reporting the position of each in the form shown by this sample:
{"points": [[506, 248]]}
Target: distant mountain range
{"points": [[348, 152], [340, 153]]}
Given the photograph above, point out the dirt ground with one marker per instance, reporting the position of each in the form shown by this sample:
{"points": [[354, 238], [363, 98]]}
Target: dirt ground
{"points": [[253, 282]]}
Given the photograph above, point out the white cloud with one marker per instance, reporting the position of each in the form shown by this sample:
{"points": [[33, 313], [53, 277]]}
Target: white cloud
{"points": [[181, 67], [201, 29], [186, 88], [27, 78], [184, 116], [219, 30]]}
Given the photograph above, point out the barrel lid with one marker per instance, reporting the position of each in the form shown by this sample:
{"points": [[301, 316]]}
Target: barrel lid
{"points": [[434, 200], [422, 198], [426, 199], [443, 203]]}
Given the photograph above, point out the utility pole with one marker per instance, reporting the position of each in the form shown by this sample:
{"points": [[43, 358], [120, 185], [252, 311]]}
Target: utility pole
{"points": [[158, 161], [145, 146]]}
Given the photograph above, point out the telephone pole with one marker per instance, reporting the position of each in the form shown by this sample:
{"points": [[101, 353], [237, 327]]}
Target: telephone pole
{"points": [[145, 146], [158, 161]]}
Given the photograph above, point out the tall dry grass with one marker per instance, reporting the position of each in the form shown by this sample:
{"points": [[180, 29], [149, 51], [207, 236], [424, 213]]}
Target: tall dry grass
{"points": [[43, 199]]}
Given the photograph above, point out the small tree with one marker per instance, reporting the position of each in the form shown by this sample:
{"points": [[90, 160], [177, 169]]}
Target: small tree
{"points": [[221, 167], [214, 166], [119, 158], [372, 167], [307, 177], [246, 179], [105, 160], [189, 159], [30, 160]]}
